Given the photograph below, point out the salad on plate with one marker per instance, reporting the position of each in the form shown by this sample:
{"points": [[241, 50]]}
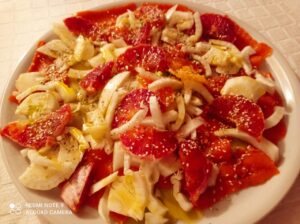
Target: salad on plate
{"points": [[149, 113]]}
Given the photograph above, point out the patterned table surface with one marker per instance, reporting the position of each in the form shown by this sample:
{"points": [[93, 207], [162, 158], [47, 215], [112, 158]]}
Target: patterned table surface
{"points": [[24, 21]]}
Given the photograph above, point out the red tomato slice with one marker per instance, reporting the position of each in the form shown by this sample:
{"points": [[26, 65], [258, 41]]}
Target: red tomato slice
{"points": [[81, 26], [267, 103], [216, 83], [219, 150], [151, 14], [120, 219], [218, 27], [102, 168], [196, 168], [151, 58], [40, 61], [97, 78], [165, 7], [149, 143], [40, 133], [245, 114], [251, 167], [76, 189], [130, 104], [166, 96], [97, 25], [95, 165], [106, 14], [276, 133], [164, 182]]}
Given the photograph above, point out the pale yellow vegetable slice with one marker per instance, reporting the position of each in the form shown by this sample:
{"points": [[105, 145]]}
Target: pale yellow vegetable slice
{"points": [[55, 48], [128, 196], [103, 182], [78, 135], [244, 86], [113, 84], [156, 113], [179, 197], [37, 105], [28, 79], [84, 49], [103, 209], [134, 121], [275, 117], [181, 113], [165, 82], [64, 34]]}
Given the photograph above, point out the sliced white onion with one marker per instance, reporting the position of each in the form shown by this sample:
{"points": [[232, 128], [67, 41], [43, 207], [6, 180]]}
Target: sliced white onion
{"points": [[196, 101], [179, 197], [127, 162], [119, 43], [35, 157], [199, 88], [27, 92], [225, 44], [182, 20], [119, 51], [103, 208], [200, 48], [151, 174], [246, 53], [187, 94], [132, 19], [264, 145], [275, 117], [170, 12], [193, 110], [118, 156], [194, 135], [146, 74], [165, 82], [134, 121], [84, 49], [198, 29], [168, 165], [155, 36], [189, 127], [169, 35], [151, 218], [96, 60], [113, 84], [66, 93], [122, 20], [181, 113], [268, 83], [213, 176], [116, 98], [103, 183], [77, 74], [156, 112], [64, 34], [24, 152], [168, 117], [205, 64]]}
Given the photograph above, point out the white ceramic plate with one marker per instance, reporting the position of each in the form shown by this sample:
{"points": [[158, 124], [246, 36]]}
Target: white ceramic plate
{"points": [[245, 207]]}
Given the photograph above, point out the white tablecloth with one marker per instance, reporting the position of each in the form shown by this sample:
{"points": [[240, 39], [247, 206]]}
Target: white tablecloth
{"points": [[22, 22]]}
